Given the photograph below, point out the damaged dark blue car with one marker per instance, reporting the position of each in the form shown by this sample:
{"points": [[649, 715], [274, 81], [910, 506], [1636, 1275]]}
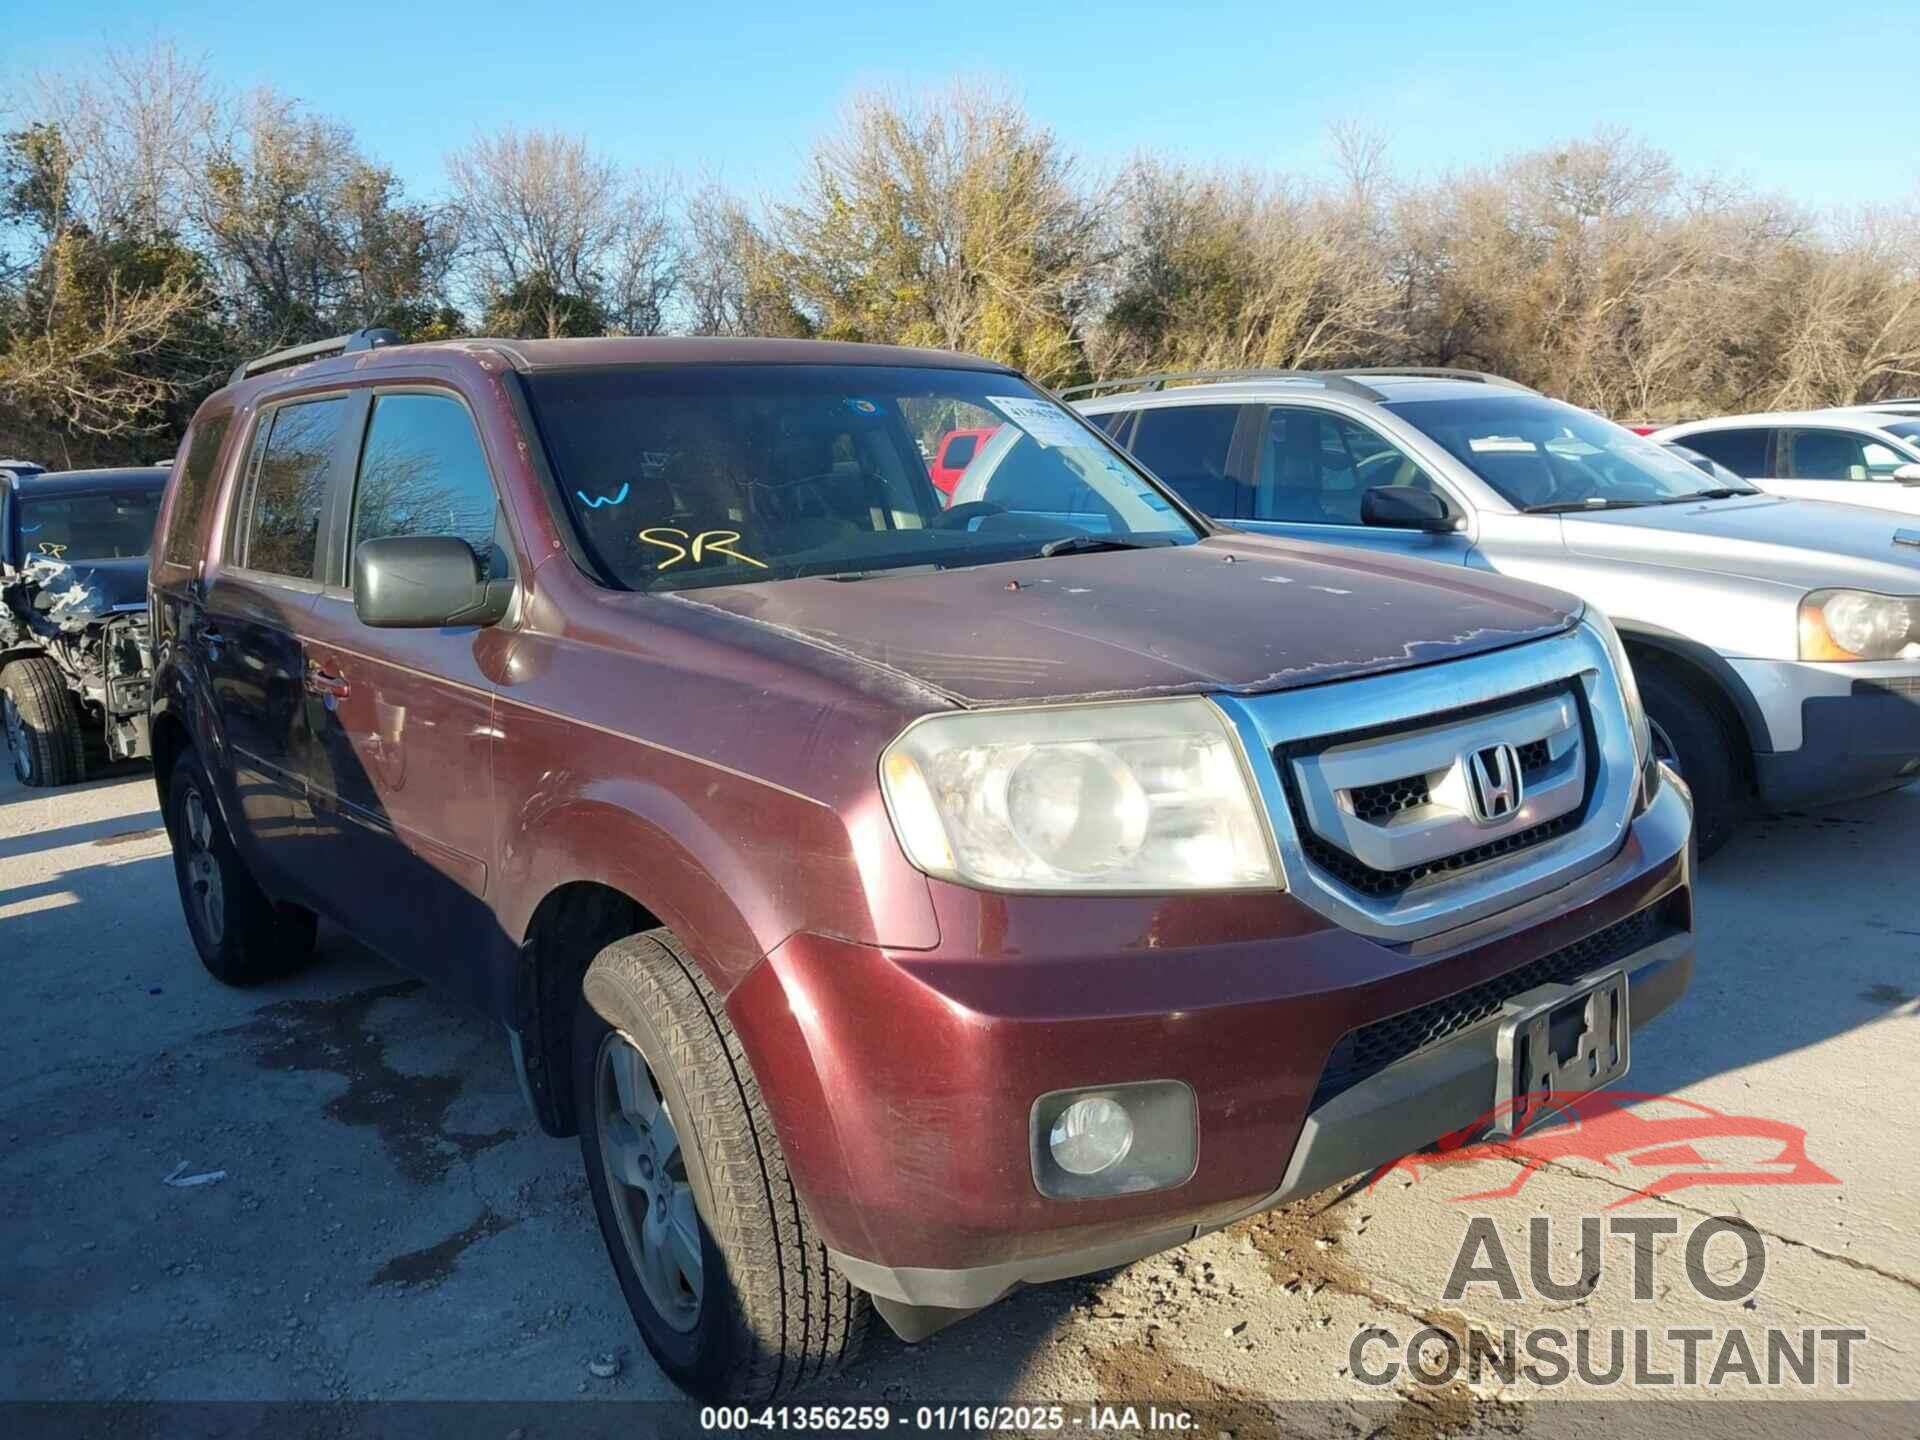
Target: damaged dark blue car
{"points": [[75, 666]]}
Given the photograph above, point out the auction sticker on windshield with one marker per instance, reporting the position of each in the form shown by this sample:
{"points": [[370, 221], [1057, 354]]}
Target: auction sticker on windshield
{"points": [[1043, 420]]}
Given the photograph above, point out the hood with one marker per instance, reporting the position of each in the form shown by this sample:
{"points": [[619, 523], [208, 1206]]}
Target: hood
{"points": [[1807, 544], [72, 593], [1237, 613]]}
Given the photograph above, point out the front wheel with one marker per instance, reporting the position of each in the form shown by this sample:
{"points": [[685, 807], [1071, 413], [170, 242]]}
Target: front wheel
{"points": [[1689, 735], [732, 1292], [42, 723]]}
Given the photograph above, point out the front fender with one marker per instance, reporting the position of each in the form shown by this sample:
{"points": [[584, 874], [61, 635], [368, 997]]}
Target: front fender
{"points": [[732, 864]]}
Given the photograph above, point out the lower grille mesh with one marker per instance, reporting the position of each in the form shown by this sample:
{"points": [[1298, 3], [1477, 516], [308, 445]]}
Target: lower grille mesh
{"points": [[1365, 1052], [1380, 884]]}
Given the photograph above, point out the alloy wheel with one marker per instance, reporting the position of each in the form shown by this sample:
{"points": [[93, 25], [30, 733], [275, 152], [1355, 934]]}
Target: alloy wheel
{"points": [[204, 883], [647, 1182]]}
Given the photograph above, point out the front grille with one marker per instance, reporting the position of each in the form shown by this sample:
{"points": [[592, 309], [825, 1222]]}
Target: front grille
{"points": [[1385, 884], [1379, 803], [1370, 1049], [1384, 801]]}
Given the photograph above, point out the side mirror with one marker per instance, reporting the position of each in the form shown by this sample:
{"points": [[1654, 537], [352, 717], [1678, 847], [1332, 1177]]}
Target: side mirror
{"points": [[1406, 507], [424, 582], [1908, 474]]}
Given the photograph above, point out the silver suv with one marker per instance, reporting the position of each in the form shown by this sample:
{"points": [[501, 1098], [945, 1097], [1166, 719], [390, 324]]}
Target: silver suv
{"points": [[1777, 641]]}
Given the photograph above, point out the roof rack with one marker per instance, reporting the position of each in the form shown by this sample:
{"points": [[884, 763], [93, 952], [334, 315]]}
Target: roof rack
{"points": [[1331, 379], [1346, 381], [1438, 372], [371, 338]]}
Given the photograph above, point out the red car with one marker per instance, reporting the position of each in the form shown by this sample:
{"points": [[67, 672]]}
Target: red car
{"points": [[901, 902], [956, 451]]}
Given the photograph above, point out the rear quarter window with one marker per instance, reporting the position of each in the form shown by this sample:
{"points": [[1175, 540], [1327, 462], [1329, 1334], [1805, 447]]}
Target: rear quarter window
{"points": [[289, 489], [195, 483]]}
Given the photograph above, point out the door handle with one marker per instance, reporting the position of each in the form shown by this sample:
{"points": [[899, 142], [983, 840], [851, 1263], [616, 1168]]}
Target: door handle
{"points": [[321, 681]]}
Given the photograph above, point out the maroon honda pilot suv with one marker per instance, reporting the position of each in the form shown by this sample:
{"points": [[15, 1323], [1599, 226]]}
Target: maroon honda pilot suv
{"points": [[902, 902]]}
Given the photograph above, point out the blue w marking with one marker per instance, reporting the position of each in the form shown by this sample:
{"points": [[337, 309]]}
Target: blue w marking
{"points": [[597, 501]]}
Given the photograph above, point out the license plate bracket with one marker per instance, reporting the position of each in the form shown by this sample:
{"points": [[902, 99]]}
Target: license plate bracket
{"points": [[1558, 1041]]}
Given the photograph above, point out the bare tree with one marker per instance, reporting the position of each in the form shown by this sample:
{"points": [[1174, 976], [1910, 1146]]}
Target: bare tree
{"points": [[1232, 270], [1360, 157], [553, 237], [732, 281], [307, 235], [136, 130]]}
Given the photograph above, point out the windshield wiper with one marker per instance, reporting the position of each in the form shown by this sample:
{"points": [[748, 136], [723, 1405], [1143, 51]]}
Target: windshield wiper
{"points": [[848, 576], [1565, 507], [1719, 492], [1087, 544]]}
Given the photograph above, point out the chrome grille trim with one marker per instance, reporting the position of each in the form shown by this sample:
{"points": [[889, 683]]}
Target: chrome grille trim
{"points": [[1395, 705], [1326, 780]]}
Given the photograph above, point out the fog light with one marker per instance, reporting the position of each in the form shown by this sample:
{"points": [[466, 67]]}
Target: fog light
{"points": [[1114, 1139], [1090, 1135]]}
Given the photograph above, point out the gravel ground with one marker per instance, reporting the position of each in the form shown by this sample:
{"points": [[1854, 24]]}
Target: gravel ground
{"points": [[388, 1223]]}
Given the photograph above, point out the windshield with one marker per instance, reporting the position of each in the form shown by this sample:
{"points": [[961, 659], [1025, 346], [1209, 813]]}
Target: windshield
{"points": [[1706, 465], [734, 474], [1905, 429], [87, 524], [1541, 455]]}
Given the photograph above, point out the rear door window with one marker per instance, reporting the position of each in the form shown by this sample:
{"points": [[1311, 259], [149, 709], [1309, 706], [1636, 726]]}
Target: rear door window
{"points": [[190, 502], [422, 472], [1314, 466], [1190, 447], [288, 494], [1834, 455], [1742, 451]]}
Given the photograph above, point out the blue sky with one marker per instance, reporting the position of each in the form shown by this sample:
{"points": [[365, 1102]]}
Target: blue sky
{"points": [[1812, 102]]}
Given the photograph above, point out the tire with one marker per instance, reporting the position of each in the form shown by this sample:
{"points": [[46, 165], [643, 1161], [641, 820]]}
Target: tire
{"points": [[242, 936], [42, 723], [768, 1313], [1691, 735]]}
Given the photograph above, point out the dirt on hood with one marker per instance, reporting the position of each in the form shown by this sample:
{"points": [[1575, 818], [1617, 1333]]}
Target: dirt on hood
{"points": [[1234, 613]]}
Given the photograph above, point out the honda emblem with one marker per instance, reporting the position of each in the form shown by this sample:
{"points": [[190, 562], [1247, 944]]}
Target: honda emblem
{"points": [[1493, 783]]}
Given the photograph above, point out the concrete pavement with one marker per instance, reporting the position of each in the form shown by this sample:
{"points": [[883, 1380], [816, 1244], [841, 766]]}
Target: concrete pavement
{"points": [[391, 1224]]}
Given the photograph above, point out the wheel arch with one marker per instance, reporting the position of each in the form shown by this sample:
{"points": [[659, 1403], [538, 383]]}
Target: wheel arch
{"points": [[1708, 675], [169, 738], [572, 923], [21, 651]]}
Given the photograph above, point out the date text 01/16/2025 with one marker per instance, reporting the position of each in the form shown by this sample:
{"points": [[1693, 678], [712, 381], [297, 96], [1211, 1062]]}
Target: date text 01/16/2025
{"points": [[1019, 1419]]}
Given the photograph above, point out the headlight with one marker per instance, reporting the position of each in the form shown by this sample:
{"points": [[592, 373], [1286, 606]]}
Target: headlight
{"points": [[1858, 625], [1141, 796], [1629, 687]]}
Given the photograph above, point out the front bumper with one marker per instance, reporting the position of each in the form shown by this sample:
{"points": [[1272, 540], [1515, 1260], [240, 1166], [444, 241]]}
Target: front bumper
{"points": [[901, 1083], [1838, 731]]}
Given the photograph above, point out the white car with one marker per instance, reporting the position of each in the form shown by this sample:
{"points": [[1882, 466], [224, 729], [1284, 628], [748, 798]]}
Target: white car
{"points": [[1865, 456]]}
